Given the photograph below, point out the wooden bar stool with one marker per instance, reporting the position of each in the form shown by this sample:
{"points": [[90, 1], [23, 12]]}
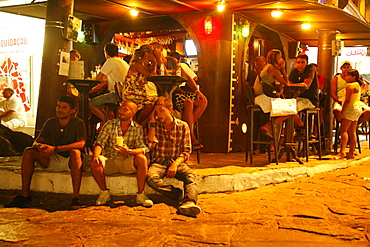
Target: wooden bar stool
{"points": [[251, 140], [336, 138], [311, 118]]}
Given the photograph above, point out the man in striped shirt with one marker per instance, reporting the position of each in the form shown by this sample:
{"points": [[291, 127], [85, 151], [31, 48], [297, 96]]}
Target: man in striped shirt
{"points": [[170, 143], [126, 156]]}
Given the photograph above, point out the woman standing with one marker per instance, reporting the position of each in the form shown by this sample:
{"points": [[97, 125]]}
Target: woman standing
{"points": [[351, 111]]}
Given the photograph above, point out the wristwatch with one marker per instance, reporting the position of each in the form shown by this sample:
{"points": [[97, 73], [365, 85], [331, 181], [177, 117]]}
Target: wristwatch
{"points": [[152, 125], [129, 151]]}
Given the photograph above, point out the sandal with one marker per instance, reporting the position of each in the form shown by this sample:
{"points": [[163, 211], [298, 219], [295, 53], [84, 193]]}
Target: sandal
{"points": [[197, 147]]}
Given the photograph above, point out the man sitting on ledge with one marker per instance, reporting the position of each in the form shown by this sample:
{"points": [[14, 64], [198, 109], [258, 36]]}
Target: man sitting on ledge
{"points": [[170, 142], [123, 143], [67, 137]]}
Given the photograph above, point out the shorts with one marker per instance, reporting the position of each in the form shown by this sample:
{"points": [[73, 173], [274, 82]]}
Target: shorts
{"points": [[352, 113], [337, 106], [118, 164], [59, 163], [264, 102], [101, 100], [304, 103], [181, 97]]}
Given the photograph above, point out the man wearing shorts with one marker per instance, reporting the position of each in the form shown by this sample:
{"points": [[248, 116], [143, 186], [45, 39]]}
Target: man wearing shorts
{"points": [[57, 148], [127, 157]]}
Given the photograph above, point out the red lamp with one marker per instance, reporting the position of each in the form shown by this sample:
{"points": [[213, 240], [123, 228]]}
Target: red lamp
{"points": [[208, 25]]}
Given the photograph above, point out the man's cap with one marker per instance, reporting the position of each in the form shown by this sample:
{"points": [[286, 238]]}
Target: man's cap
{"points": [[345, 62]]}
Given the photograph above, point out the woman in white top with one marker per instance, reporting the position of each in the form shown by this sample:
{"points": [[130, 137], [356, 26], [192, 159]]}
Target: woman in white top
{"points": [[351, 111], [273, 72]]}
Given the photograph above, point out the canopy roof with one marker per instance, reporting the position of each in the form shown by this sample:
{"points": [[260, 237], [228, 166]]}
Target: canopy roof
{"points": [[353, 29]]}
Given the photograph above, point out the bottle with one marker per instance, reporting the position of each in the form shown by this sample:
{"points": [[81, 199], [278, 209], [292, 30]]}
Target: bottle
{"points": [[162, 69], [178, 70]]}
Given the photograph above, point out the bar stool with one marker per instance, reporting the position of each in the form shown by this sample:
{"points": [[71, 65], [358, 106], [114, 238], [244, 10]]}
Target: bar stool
{"points": [[336, 138], [251, 140], [308, 138]]}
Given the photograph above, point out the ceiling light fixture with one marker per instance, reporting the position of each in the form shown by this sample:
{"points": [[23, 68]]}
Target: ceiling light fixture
{"points": [[276, 13], [221, 6], [306, 26], [134, 12]]}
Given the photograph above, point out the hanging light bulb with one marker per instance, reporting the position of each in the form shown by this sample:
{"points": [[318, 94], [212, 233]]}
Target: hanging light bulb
{"points": [[208, 25], [306, 26], [134, 12], [221, 6], [276, 13]]}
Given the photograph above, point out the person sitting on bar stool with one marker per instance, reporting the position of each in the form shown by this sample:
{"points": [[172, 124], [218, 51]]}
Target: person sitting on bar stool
{"points": [[115, 69], [307, 74], [188, 99], [273, 70], [136, 87]]}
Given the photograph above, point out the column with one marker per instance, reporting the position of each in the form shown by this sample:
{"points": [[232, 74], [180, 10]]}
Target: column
{"points": [[51, 84], [326, 68]]}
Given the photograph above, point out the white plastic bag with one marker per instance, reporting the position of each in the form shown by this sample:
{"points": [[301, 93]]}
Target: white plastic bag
{"points": [[283, 107]]}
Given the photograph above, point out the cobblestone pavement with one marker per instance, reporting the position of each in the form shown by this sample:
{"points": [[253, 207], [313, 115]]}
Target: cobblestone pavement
{"points": [[327, 209]]}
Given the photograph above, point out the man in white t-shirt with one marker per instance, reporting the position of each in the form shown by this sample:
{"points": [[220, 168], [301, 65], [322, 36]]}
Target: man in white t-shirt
{"points": [[12, 112], [114, 69]]}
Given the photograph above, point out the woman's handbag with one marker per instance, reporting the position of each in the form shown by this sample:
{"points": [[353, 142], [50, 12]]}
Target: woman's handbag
{"points": [[271, 91], [283, 107]]}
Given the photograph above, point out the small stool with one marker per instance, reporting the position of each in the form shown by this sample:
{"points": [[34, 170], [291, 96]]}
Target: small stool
{"points": [[336, 139], [251, 110], [308, 132]]}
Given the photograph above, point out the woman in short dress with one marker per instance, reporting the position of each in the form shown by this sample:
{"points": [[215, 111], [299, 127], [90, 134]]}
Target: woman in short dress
{"points": [[136, 87], [351, 111]]}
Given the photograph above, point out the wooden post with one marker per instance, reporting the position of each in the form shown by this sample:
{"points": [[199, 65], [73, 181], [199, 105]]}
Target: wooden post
{"points": [[51, 84]]}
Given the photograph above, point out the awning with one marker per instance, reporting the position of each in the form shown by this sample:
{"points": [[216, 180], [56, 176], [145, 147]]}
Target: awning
{"points": [[351, 29]]}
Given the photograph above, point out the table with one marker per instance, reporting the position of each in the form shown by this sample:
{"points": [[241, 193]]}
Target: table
{"points": [[84, 87], [166, 84], [289, 146]]}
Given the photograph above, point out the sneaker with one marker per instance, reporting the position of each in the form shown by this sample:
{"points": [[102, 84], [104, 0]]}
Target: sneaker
{"points": [[189, 208], [104, 197], [142, 199], [19, 202], [76, 203]]}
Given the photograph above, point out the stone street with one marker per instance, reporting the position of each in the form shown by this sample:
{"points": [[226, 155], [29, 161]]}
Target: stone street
{"points": [[326, 209]]}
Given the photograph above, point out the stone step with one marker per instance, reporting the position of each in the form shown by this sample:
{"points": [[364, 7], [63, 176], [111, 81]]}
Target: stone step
{"points": [[218, 173]]}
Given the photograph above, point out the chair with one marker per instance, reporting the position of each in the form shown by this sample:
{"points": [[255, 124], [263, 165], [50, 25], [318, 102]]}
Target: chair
{"points": [[251, 140], [308, 138]]}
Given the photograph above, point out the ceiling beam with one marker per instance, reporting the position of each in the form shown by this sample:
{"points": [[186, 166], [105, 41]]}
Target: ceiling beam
{"points": [[187, 5]]}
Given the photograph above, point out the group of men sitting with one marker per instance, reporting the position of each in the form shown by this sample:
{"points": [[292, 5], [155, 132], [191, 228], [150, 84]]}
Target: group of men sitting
{"points": [[60, 147]]}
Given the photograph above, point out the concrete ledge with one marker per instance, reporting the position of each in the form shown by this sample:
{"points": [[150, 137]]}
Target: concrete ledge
{"points": [[10, 179]]}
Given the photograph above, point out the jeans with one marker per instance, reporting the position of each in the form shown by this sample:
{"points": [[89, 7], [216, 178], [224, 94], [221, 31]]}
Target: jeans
{"points": [[99, 101], [184, 173]]}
